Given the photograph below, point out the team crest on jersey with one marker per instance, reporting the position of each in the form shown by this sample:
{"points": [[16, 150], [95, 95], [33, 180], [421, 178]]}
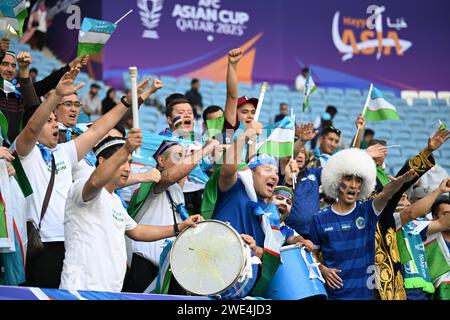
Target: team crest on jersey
{"points": [[311, 177], [360, 223]]}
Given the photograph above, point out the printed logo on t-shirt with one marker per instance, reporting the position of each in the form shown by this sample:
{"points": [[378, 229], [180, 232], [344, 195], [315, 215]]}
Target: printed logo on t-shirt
{"points": [[328, 229], [60, 166], [360, 223], [346, 227], [311, 177], [117, 215]]}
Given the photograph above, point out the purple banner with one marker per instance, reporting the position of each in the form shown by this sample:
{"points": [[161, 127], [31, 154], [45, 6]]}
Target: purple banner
{"points": [[349, 44]]}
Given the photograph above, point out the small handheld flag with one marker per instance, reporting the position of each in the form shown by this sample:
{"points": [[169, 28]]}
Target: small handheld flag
{"points": [[310, 88], [14, 13], [377, 108], [442, 125], [93, 35]]}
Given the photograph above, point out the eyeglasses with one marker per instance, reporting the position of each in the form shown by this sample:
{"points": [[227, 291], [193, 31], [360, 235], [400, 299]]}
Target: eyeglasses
{"points": [[70, 103]]}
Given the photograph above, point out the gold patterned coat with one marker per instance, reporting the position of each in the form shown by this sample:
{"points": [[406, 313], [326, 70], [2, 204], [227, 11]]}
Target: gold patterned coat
{"points": [[389, 279]]}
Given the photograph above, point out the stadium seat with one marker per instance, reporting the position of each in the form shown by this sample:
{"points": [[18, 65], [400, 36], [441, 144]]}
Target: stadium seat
{"points": [[427, 94], [409, 95], [419, 102], [444, 95]]}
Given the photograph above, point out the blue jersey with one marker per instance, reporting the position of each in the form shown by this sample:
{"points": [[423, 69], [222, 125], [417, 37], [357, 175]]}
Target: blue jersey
{"points": [[348, 243], [287, 232], [232, 206], [306, 202]]}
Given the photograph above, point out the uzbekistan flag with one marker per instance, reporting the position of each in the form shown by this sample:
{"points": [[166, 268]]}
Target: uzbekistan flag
{"points": [[14, 14], [378, 108], [310, 88], [93, 35], [280, 139]]}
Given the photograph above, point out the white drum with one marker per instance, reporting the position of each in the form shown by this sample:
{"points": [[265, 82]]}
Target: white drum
{"points": [[212, 260]]}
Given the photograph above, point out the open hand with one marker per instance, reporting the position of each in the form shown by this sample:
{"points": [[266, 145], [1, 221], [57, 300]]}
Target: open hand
{"points": [[438, 139], [191, 221], [331, 277], [66, 85]]}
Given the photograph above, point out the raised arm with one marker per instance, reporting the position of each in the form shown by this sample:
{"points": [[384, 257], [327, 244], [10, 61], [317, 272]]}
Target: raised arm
{"points": [[360, 124], [391, 188], [232, 86], [43, 86], [306, 133], [422, 207], [101, 127], [442, 224], [186, 165], [233, 156], [103, 174], [29, 135], [26, 86], [152, 175]]}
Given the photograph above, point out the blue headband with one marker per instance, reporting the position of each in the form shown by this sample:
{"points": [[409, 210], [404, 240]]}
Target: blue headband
{"points": [[260, 160], [283, 191]]}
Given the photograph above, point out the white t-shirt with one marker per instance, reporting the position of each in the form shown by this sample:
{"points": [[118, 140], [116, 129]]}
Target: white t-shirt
{"points": [[38, 173], [95, 257], [82, 169], [157, 211]]}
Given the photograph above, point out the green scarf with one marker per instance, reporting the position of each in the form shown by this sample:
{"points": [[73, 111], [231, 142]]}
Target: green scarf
{"points": [[139, 197]]}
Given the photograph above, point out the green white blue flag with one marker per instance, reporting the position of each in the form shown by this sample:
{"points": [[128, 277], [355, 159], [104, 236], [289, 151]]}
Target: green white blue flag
{"points": [[378, 108], [93, 35], [14, 13]]}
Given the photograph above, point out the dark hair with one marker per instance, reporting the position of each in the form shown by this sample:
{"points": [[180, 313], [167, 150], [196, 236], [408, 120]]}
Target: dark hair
{"points": [[437, 203], [34, 70], [209, 110], [331, 110], [173, 99], [119, 127], [283, 104], [377, 141], [94, 85], [108, 152], [330, 129], [368, 132], [194, 81], [305, 70]]}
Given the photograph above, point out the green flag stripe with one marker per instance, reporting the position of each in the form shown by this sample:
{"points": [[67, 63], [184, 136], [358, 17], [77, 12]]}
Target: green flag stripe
{"points": [[276, 149], [382, 114], [89, 48]]}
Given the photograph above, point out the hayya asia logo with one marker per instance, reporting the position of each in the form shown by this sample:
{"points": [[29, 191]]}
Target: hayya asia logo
{"points": [[372, 41]]}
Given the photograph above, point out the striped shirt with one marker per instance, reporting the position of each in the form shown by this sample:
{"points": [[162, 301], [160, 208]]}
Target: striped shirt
{"points": [[347, 241]]}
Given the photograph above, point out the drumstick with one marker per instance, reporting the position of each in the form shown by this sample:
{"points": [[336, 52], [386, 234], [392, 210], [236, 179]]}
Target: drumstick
{"points": [[134, 101], [260, 101]]}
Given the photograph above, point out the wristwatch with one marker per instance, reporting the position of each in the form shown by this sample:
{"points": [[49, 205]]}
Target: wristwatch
{"points": [[124, 101]]}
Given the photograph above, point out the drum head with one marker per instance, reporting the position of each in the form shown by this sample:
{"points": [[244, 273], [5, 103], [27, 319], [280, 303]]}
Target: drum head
{"points": [[208, 259]]}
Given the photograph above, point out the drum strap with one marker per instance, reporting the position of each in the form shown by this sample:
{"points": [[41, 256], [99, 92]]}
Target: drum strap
{"points": [[172, 203]]}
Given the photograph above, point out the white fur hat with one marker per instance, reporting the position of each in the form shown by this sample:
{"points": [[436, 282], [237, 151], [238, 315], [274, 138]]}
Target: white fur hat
{"points": [[349, 162]]}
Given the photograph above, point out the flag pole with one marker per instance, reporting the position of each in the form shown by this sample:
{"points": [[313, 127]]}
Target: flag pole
{"points": [[134, 101], [260, 102], [122, 17], [363, 113], [294, 177]]}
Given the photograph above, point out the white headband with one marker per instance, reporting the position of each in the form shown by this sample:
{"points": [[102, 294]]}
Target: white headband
{"points": [[107, 145]]}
